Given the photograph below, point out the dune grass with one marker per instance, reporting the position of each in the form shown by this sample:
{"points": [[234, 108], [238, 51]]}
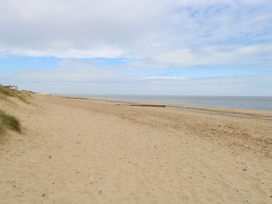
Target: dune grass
{"points": [[9, 122], [6, 92]]}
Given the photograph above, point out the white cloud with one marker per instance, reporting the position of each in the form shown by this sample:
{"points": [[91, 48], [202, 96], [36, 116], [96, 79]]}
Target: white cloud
{"points": [[83, 28], [164, 78], [66, 53], [78, 74], [151, 34], [80, 24], [208, 56]]}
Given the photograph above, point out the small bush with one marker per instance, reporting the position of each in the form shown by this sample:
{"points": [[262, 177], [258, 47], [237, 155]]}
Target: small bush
{"points": [[9, 122]]}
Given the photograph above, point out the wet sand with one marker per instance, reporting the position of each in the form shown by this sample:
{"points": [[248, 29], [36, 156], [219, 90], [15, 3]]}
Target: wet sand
{"points": [[92, 151]]}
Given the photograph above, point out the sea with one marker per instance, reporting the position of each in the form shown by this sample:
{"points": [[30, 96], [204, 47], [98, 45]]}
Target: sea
{"points": [[230, 102]]}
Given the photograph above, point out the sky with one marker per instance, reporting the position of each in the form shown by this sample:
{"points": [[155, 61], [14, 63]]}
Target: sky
{"points": [[138, 47]]}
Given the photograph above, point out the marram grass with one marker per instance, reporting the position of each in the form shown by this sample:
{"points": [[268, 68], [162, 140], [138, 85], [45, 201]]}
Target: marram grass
{"points": [[9, 122], [6, 92]]}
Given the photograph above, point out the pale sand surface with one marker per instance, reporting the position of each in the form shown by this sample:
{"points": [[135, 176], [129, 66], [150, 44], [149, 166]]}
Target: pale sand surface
{"points": [[90, 151]]}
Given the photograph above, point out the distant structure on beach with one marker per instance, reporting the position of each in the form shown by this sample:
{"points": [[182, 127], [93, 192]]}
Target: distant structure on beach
{"points": [[9, 86]]}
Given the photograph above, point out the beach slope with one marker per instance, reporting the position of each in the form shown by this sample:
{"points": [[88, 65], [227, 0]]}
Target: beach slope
{"points": [[74, 150]]}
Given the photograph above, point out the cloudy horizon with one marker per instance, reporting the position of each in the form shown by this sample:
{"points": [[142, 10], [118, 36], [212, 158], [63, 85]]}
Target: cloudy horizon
{"points": [[173, 47]]}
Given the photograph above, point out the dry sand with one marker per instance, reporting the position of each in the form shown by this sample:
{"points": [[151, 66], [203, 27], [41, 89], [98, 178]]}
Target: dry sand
{"points": [[89, 151]]}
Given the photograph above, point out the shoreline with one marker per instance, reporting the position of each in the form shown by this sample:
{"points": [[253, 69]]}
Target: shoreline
{"points": [[242, 113]]}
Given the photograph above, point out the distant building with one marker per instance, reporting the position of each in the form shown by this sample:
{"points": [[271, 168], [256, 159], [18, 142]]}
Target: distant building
{"points": [[9, 86]]}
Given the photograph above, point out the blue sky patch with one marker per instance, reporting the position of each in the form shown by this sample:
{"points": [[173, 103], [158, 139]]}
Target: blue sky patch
{"points": [[21, 62]]}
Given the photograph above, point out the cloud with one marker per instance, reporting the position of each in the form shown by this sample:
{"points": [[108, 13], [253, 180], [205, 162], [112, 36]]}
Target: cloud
{"points": [[210, 56], [78, 24], [164, 78], [87, 27], [73, 70], [152, 36], [65, 53], [108, 83]]}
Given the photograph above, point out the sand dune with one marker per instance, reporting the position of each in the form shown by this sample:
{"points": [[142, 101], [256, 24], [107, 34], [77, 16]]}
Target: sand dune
{"points": [[90, 151]]}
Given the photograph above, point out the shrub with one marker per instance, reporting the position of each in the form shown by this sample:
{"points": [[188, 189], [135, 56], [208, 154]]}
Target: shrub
{"points": [[9, 122]]}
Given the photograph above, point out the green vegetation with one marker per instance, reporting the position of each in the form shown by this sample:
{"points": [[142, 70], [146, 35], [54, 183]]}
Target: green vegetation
{"points": [[9, 122], [6, 92]]}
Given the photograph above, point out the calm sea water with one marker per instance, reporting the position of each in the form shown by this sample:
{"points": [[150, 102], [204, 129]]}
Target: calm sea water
{"points": [[237, 102]]}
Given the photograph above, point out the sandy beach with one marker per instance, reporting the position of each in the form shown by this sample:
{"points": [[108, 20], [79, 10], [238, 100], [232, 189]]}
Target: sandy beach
{"points": [[81, 151]]}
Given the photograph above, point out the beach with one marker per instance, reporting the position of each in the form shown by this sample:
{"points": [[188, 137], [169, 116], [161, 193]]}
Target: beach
{"points": [[76, 150]]}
